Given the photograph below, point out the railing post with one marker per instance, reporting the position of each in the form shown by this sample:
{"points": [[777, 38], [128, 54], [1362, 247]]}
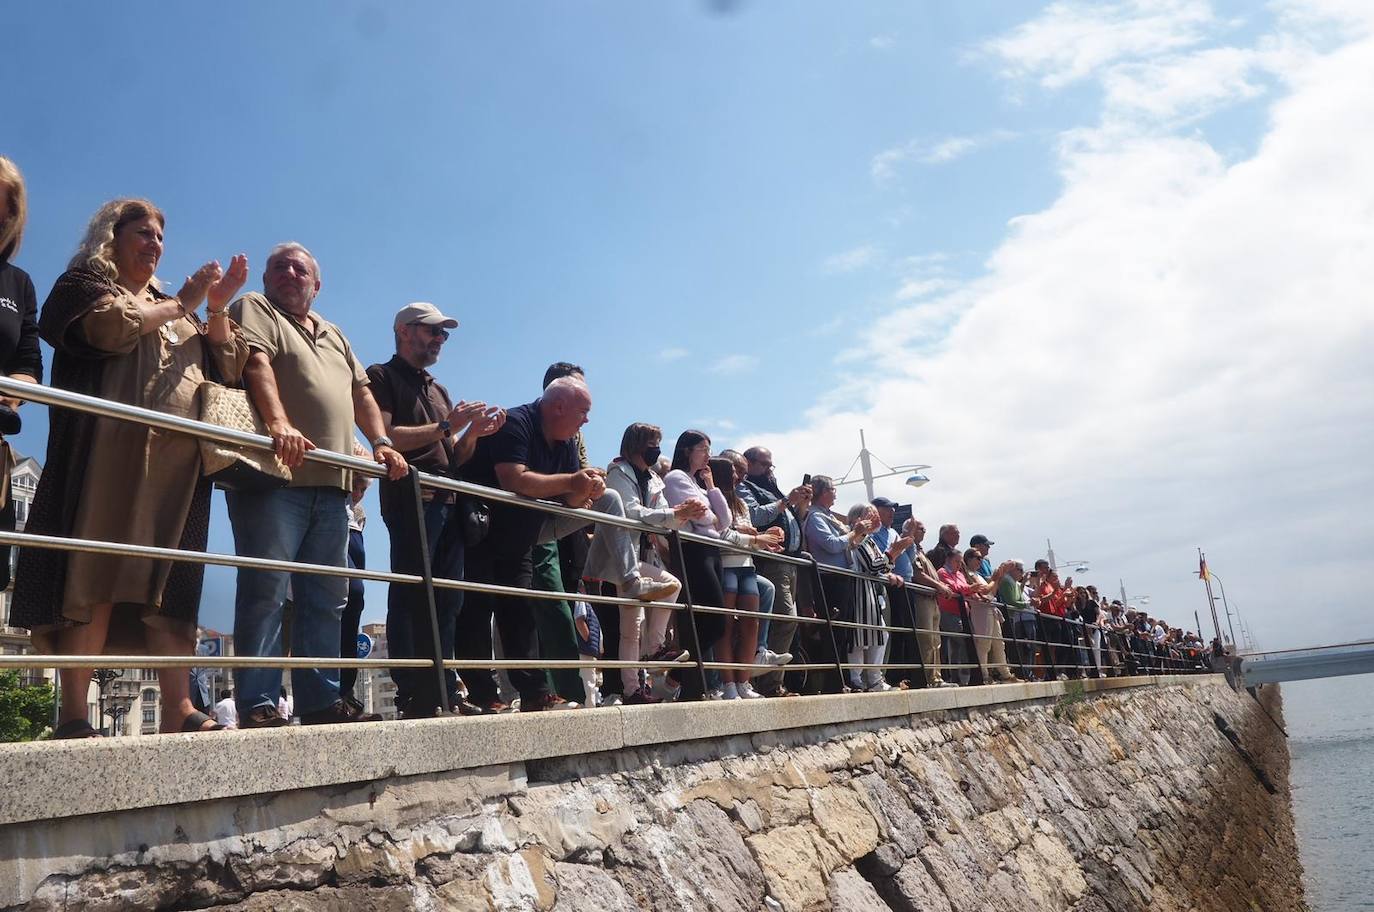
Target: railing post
{"points": [[830, 624], [698, 653], [967, 615], [1051, 669], [427, 572], [908, 594]]}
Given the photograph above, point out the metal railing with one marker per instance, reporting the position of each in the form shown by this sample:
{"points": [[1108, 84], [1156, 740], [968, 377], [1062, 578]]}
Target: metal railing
{"points": [[1037, 655]]}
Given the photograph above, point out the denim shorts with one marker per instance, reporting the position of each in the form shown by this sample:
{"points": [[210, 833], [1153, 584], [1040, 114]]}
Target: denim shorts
{"points": [[741, 580]]}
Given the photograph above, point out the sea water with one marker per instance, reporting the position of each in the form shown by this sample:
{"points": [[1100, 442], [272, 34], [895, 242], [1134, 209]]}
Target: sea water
{"points": [[1331, 739]]}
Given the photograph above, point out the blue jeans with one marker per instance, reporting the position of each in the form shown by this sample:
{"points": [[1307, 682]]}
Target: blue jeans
{"points": [[1026, 632], [309, 525], [767, 593]]}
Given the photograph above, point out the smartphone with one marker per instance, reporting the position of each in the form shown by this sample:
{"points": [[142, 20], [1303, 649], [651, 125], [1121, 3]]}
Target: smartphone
{"points": [[806, 479], [900, 514]]}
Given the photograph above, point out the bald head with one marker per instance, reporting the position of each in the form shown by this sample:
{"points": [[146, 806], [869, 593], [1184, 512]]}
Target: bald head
{"points": [[564, 407]]}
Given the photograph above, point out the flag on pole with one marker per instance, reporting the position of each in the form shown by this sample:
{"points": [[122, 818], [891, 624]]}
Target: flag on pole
{"points": [[1202, 568]]}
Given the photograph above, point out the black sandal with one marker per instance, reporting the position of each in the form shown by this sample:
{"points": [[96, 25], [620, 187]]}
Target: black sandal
{"points": [[75, 729], [196, 719]]}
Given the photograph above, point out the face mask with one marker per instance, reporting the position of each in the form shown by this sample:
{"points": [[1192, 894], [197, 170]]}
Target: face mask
{"points": [[651, 455]]}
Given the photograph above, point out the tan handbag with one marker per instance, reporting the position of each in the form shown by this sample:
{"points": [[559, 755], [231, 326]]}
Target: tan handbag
{"points": [[237, 468]]}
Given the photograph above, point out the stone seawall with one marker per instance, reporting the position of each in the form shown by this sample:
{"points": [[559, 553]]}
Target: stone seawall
{"points": [[1044, 797]]}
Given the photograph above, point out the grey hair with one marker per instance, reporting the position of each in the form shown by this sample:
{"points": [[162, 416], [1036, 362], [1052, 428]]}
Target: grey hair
{"points": [[294, 247], [822, 483], [857, 511]]}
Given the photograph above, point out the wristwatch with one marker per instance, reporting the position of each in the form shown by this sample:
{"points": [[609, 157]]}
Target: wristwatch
{"points": [[383, 441], [445, 428]]}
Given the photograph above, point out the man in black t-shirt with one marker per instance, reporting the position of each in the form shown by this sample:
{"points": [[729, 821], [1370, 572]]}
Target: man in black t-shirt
{"points": [[534, 455], [437, 438]]}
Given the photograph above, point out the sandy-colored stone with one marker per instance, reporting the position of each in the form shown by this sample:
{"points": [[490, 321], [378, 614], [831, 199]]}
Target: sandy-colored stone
{"points": [[790, 866], [848, 891], [844, 821]]}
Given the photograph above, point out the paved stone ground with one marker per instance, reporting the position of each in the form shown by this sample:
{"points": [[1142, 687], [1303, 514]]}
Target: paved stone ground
{"points": [[1124, 801]]}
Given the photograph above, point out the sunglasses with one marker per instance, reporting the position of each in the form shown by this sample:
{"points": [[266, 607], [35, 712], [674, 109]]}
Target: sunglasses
{"points": [[437, 332]]}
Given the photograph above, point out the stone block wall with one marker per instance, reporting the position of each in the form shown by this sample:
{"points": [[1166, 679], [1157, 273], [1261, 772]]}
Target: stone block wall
{"points": [[1125, 800]]}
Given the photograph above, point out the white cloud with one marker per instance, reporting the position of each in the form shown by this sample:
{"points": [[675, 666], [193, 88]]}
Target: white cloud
{"points": [[734, 364], [850, 260], [886, 163], [672, 354], [1173, 353], [883, 42], [1072, 40]]}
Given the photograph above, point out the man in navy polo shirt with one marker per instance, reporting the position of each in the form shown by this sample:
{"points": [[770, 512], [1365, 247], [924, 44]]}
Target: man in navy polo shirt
{"points": [[534, 454]]}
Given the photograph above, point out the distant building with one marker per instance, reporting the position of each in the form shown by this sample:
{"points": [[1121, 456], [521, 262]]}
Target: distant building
{"points": [[15, 640]]}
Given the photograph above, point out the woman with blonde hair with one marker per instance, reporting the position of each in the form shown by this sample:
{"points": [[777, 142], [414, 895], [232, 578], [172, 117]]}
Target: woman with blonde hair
{"points": [[20, 357], [116, 335]]}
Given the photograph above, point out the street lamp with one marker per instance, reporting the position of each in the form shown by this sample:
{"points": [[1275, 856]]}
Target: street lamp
{"points": [[1079, 566], [1229, 625], [864, 460]]}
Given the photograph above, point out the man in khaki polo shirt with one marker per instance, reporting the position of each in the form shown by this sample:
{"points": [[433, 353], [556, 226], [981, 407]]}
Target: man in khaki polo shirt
{"points": [[310, 390]]}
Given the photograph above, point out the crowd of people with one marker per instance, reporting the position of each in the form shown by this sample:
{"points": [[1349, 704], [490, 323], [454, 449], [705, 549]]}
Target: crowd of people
{"points": [[896, 615]]}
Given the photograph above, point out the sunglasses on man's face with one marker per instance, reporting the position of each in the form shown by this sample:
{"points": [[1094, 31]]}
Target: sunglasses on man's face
{"points": [[437, 332]]}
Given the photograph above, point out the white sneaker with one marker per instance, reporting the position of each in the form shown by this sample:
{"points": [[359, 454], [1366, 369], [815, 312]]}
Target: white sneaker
{"points": [[747, 692], [880, 687], [663, 589], [1061, 677], [766, 656], [611, 700], [947, 684], [714, 694]]}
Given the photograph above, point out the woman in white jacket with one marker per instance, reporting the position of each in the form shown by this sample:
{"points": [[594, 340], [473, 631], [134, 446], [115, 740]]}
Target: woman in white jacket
{"points": [[642, 493]]}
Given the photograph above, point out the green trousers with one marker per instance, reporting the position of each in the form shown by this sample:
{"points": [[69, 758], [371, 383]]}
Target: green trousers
{"points": [[553, 622]]}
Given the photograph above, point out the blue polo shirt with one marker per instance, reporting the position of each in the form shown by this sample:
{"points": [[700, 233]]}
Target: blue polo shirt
{"points": [[903, 565]]}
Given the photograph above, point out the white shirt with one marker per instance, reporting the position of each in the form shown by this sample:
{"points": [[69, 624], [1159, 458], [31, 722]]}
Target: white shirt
{"points": [[1159, 634], [226, 713], [284, 706]]}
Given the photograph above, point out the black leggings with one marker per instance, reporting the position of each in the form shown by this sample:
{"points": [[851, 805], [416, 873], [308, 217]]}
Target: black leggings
{"points": [[701, 567]]}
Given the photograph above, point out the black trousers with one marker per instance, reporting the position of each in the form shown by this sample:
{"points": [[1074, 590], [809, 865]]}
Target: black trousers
{"points": [[515, 621], [701, 568], [903, 650], [409, 631], [838, 591], [609, 618]]}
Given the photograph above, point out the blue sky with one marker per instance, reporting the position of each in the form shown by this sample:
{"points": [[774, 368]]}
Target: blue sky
{"points": [[712, 206]]}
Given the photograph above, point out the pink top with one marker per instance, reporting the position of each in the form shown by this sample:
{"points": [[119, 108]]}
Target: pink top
{"points": [[956, 581]]}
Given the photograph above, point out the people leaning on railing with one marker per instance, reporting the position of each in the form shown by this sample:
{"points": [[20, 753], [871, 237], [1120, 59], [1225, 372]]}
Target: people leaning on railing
{"points": [[310, 390], [21, 357], [691, 479], [738, 642], [987, 617], [867, 601], [437, 437], [116, 335], [770, 508], [642, 495]]}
